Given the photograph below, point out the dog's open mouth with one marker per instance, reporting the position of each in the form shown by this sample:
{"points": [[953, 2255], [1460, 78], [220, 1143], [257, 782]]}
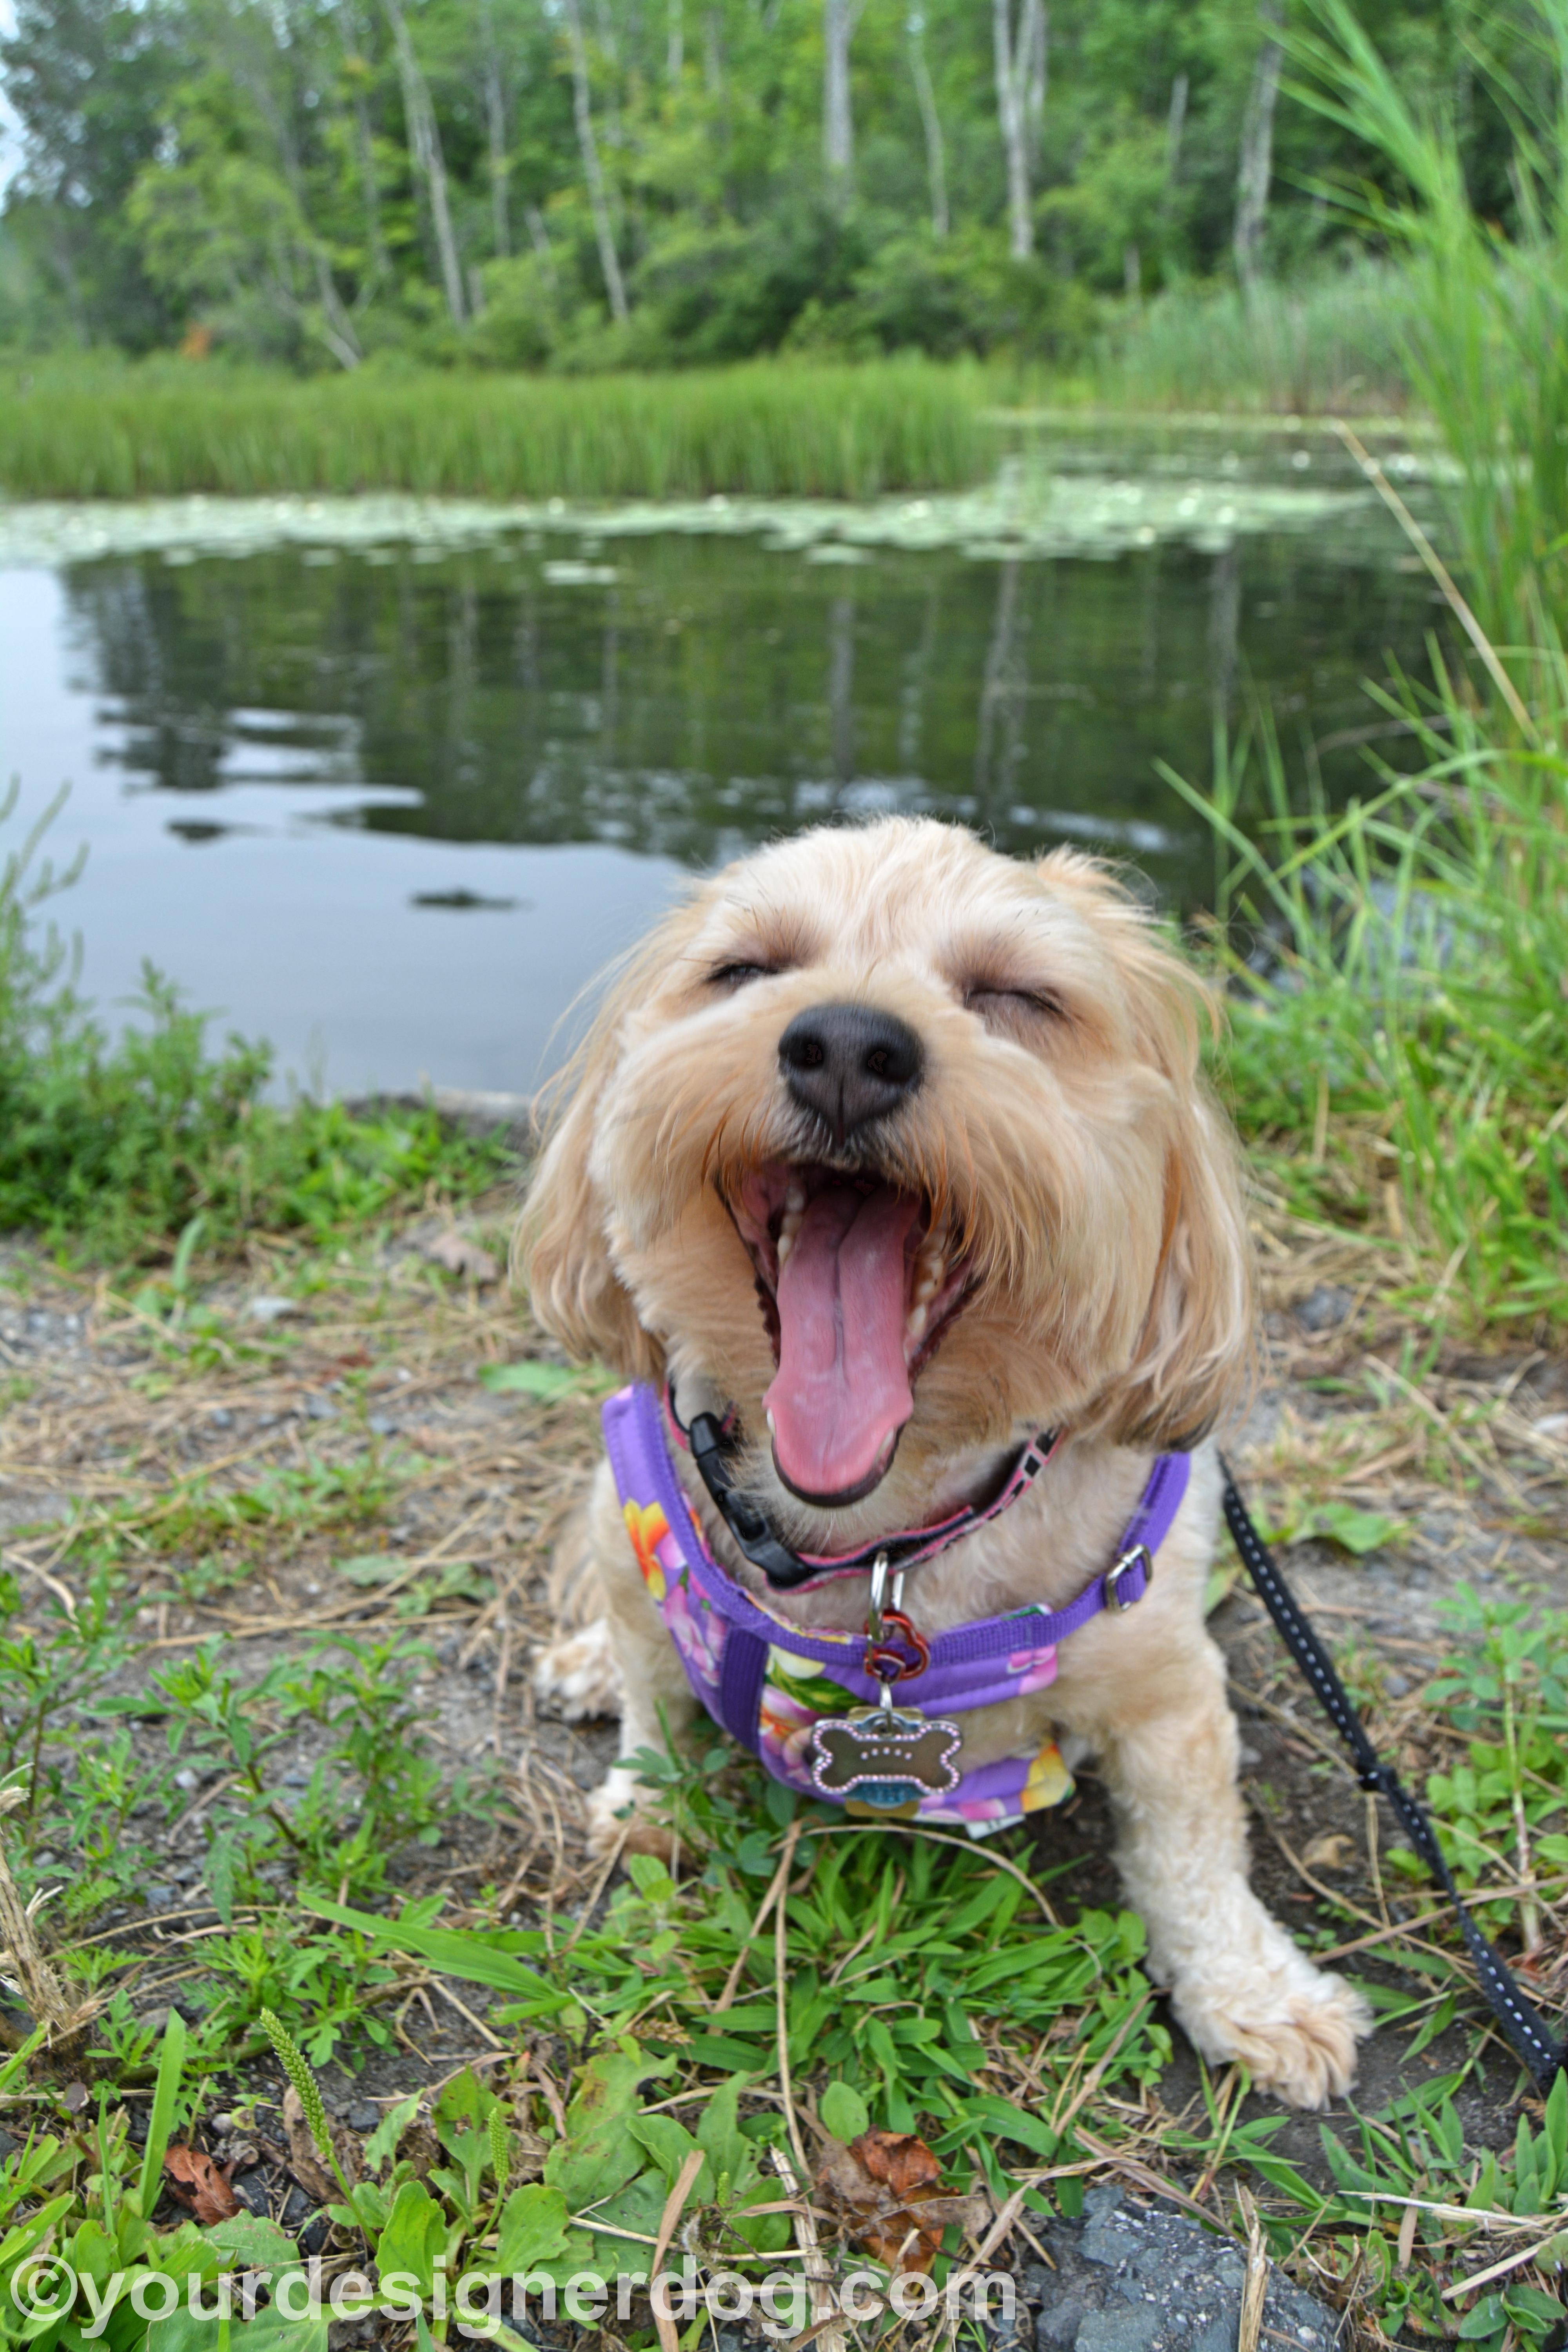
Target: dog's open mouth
{"points": [[858, 1289]]}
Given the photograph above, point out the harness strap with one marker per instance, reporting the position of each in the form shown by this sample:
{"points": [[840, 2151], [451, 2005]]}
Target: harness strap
{"points": [[636, 1434], [1542, 2056], [711, 1443]]}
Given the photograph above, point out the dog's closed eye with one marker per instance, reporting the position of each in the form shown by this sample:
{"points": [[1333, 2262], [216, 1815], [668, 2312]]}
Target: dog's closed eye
{"points": [[1015, 1012], [737, 975]]}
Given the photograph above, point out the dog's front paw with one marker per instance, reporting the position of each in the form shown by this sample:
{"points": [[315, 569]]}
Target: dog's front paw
{"points": [[619, 1820], [578, 1677], [1292, 2027]]}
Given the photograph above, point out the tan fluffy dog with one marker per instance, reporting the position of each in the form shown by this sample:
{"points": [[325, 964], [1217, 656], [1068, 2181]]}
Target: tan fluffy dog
{"points": [[996, 1173]]}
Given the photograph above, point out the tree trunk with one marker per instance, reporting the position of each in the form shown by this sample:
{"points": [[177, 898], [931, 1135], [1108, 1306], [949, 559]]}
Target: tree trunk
{"points": [[930, 122], [1258, 147], [838, 19], [380, 261], [592, 170], [1020, 109], [424, 149], [1176, 124], [539, 238], [495, 121], [337, 331]]}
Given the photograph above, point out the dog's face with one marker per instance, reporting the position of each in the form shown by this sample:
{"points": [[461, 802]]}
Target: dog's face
{"points": [[903, 1145]]}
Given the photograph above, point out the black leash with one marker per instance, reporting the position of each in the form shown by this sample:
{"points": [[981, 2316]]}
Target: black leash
{"points": [[1542, 2056]]}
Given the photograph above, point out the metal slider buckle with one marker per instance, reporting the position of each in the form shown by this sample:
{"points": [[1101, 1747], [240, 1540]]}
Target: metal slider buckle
{"points": [[1138, 1555]]}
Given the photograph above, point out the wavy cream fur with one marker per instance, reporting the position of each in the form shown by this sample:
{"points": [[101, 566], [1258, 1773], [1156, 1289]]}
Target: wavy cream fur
{"points": [[1096, 1183]]}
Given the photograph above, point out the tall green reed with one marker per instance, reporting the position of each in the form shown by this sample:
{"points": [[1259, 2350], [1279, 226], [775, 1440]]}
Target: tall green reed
{"points": [[1485, 330], [1398, 1003], [1333, 340], [769, 431], [1399, 1042]]}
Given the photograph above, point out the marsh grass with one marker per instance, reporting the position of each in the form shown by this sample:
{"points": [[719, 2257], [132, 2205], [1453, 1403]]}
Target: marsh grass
{"points": [[166, 426], [1327, 344], [1484, 328], [1397, 1005], [1398, 967]]}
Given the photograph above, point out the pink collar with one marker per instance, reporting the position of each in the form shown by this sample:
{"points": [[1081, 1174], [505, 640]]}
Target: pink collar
{"points": [[709, 1441]]}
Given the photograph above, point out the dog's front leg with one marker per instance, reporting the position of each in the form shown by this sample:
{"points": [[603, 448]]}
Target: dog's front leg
{"points": [[1238, 1985], [623, 1662]]}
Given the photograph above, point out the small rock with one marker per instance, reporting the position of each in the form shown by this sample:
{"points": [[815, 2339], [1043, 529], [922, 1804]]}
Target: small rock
{"points": [[363, 2118], [1395, 1685], [264, 1309], [185, 1778], [1324, 1309], [1130, 2330], [1130, 2279], [381, 1427], [220, 1417], [319, 1410], [1553, 1425]]}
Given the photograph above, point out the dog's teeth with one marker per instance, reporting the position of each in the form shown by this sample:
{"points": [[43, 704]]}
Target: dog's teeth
{"points": [[786, 1242], [790, 1228], [794, 1198], [772, 1431], [915, 1323], [929, 1272]]}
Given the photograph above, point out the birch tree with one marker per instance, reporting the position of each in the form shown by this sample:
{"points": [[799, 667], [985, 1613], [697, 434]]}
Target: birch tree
{"points": [[931, 124], [592, 171], [1256, 163], [840, 18], [495, 126], [1020, 57], [429, 162]]}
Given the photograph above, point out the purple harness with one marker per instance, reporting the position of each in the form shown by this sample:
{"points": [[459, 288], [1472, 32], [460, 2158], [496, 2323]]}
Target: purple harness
{"points": [[771, 1683]]}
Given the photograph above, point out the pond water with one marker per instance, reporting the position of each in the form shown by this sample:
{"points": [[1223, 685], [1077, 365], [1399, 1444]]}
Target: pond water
{"points": [[388, 783]]}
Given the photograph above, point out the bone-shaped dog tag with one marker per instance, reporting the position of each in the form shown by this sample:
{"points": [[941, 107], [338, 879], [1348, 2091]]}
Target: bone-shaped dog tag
{"points": [[883, 1759]]}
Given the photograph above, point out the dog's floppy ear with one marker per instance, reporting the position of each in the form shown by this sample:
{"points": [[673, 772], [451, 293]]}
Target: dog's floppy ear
{"points": [[561, 1248], [1194, 1354]]}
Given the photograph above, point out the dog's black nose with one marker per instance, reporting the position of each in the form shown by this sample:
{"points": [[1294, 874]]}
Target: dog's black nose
{"points": [[849, 1065]]}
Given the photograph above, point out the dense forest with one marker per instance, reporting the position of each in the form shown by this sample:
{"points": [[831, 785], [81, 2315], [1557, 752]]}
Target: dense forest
{"points": [[583, 184]]}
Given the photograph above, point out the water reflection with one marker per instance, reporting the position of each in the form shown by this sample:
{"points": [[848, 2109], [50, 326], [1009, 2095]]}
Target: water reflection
{"points": [[696, 694]]}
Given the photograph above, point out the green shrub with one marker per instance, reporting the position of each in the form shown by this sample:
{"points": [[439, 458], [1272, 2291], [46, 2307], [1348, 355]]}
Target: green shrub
{"points": [[113, 1147]]}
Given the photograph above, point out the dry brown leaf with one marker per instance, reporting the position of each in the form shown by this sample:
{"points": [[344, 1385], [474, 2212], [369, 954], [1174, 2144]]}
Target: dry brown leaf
{"points": [[420, 2148], [304, 2159], [460, 1255], [887, 2189], [202, 2184], [1331, 1851]]}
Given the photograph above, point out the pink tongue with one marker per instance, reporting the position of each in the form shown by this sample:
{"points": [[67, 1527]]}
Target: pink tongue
{"points": [[842, 1391]]}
